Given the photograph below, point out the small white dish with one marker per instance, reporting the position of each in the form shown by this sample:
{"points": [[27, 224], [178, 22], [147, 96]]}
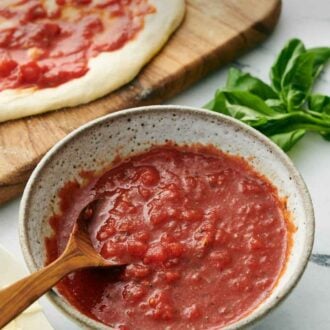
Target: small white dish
{"points": [[31, 318]]}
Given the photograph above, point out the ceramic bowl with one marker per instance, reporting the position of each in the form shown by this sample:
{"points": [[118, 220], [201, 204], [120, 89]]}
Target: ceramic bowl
{"points": [[95, 144]]}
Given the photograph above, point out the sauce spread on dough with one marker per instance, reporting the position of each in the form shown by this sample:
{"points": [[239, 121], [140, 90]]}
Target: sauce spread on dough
{"points": [[206, 235], [47, 43]]}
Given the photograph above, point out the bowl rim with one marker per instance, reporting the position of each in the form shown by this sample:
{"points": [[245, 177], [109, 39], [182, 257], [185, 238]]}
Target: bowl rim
{"points": [[251, 317]]}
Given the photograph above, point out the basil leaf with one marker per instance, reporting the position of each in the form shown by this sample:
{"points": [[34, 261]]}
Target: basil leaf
{"points": [[218, 104], [321, 57], [238, 80], [319, 103], [242, 105], [326, 136], [287, 140], [286, 110], [297, 81], [291, 121], [248, 100], [285, 61], [295, 70], [277, 105]]}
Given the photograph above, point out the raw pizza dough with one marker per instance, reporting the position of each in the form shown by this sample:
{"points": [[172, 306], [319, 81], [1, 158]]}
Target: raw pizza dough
{"points": [[107, 71]]}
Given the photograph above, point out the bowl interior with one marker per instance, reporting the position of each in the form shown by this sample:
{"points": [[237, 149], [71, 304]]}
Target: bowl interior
{"points": [[96, 144]]}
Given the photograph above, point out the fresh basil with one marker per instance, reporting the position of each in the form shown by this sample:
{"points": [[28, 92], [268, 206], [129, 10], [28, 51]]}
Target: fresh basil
{"points": [[238, 80], [287, 140], [319, 103], [298, 81], [286, 109], [321, 57], [284, 62]]}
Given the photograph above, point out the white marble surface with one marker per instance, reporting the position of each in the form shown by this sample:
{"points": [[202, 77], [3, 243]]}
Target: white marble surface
{"points": [[308, 306]]}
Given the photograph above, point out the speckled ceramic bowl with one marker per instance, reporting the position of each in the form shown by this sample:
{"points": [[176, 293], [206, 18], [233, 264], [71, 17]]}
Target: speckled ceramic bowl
{"points": [[95, 144]]}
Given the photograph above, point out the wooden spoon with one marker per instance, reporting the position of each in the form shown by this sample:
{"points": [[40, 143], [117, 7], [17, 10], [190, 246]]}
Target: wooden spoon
{"points": [[79, 253]]}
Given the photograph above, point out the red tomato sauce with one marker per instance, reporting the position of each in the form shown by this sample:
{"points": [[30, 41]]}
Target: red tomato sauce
{"points": [[45, 47], [206, 235]]}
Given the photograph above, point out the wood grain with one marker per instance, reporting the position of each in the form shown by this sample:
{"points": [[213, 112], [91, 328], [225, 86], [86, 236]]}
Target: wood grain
{"points": [[213, 33]]}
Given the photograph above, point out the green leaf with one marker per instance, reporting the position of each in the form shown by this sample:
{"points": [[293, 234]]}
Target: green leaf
{"points": [[293, 73], [277, 105], [297, 81], [319, 103], [295, 70], [210, 105], [287, 140], [218, 103], [285, 61], [241, 105], [280, 112], [288, 122], [248, 100], [326, 136], [321, 57], [238, 80]]}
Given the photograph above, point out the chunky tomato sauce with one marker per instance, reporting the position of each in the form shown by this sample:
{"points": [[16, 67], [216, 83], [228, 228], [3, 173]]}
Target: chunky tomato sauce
{"points": [[47, 43], [206, 236]]}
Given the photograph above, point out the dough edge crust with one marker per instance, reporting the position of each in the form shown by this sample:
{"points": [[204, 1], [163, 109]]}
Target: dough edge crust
{"points": [[122, 66]]}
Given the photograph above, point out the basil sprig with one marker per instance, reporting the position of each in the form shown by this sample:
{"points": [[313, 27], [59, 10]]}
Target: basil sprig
{"points": [[285, 110]]}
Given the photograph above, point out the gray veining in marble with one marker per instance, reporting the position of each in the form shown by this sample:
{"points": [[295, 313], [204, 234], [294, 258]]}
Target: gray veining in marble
{"points": [[320, 259]]}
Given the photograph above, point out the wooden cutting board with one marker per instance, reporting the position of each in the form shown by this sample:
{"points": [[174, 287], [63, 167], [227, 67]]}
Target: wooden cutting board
{"points": [[213, 33]]}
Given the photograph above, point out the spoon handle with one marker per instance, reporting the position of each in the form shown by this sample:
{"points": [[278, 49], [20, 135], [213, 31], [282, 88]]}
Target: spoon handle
{"points": [[15, 298]]}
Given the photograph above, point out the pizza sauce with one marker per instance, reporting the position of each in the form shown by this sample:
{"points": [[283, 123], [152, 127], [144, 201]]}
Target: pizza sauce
{"points": [[206, 236], [45, 43]]}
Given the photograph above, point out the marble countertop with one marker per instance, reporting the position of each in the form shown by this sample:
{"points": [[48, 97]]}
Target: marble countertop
{"points": [[307, 307]]}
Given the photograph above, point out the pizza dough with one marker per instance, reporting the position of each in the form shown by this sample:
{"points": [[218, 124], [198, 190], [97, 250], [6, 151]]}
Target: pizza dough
{"points": [[107, 71], [32, 318]]}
